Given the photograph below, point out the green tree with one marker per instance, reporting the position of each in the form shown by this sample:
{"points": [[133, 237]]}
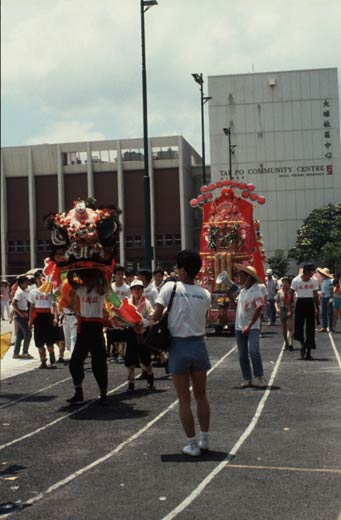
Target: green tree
{"points": [[279, 263], [319, 237]]}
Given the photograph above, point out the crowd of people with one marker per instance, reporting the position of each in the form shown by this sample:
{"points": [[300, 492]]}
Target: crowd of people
{"points": [[297, 303]]}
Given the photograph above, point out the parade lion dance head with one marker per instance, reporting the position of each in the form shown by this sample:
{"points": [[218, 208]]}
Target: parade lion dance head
{"points": [[84, 233]]}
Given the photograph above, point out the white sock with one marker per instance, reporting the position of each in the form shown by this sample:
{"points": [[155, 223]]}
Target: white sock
{"points": [[192, 441], [204, 436]]}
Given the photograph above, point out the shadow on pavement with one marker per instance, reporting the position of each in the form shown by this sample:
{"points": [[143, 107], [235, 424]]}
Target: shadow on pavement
{"points": [[205, 455]]}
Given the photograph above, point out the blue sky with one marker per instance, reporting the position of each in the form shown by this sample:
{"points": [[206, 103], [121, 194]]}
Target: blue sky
{"points": [[71, 69]]}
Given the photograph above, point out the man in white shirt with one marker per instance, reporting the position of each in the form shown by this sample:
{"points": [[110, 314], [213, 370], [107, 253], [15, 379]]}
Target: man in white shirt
{"points": [[43, 317], [20, 307], [158, 279], [150, 292], [117, 337], [305, 286], [271, 289], [249, 307]]}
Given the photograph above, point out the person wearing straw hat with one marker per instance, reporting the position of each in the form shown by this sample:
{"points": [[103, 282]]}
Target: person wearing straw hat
{"points": [[326, 298], [249, 307]]}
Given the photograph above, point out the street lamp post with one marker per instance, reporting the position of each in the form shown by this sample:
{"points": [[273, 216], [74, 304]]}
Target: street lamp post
{"points": [[227, 132], [145, 5], [198, 78]]}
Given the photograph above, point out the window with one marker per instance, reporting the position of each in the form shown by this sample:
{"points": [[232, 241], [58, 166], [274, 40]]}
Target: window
{"points": [[169, 152], [132, 155], [177, 239], [11, 246], [70, 158], [18, 246], [134, 241], [168, 239]]}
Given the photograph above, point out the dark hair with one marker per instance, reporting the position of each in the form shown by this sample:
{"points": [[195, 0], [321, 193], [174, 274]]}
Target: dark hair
{"points": [[189, 261], [129, 273], [158, 271], [22, 279], [147, 273], [38, 273], [118, 268], [308, 267]]}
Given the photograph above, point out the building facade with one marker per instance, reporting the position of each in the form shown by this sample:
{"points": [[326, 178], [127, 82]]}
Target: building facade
{"points": [[285, 139], [37, 180]]}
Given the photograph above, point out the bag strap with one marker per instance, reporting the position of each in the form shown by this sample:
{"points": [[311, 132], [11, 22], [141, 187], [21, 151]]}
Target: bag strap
{"points": [[171, 298]]}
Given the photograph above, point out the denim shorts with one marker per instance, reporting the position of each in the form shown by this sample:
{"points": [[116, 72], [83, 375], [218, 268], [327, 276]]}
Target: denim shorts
{"points": [[188, 355]]}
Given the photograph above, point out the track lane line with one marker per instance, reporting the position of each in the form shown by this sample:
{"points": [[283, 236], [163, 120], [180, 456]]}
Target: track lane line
{"points": [[118, 448], [81, 408], [247, 432]]}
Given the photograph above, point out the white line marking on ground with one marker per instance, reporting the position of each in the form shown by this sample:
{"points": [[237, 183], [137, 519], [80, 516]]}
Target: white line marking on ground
{"points": [[337, 355], [42, 428], [204, 483], [118, 448], [81, 408]]}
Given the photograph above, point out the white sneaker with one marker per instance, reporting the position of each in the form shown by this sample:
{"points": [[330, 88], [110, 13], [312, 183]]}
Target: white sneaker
{"points": [[203, 444], [192, 449], [245, 384], [260, 382]]}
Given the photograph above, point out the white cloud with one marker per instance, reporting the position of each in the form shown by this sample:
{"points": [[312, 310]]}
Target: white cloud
{"points": [[67, 131], [81, 60]]}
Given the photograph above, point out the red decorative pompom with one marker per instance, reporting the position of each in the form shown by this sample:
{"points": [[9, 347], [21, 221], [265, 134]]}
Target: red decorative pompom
{"points": [[227, 182], [250, 187], [193, 203], [211, 186], [242, 185], [261, 199], [219, 184], [245, 194], [203, 188], [200, 198], [234, 184], [253, 196], [208, 196]]}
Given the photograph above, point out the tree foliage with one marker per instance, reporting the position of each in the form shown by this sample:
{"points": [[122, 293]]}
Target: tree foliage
{"points": [[319, 237], [279, 263]]}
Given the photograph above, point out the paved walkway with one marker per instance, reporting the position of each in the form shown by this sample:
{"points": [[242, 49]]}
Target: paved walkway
{"points": [[10, 367]]}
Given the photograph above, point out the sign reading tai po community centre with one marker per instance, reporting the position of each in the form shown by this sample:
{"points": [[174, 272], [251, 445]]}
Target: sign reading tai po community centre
{"points": [[281, 171]]}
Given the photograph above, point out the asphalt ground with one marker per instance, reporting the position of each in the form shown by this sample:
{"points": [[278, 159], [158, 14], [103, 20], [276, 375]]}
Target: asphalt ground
{"points": [[274, 453]]}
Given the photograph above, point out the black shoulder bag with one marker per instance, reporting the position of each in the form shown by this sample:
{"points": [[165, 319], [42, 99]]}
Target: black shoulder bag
{"points": [[159, 337]]}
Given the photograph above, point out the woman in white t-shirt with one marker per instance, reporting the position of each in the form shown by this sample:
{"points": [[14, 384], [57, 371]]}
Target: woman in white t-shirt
{"points": [[188, 356], [247, 326]]}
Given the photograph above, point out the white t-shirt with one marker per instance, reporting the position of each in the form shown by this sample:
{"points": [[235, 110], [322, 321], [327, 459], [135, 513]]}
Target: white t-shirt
{"points": [[151, 293], [122, 291], [91, 303], [188, 313], [304, 289], [40, 300], [21, 298], [248, 301]]}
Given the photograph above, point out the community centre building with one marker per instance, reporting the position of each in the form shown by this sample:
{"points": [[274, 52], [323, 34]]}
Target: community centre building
{"points": [[281, 132], [42, 179]]}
